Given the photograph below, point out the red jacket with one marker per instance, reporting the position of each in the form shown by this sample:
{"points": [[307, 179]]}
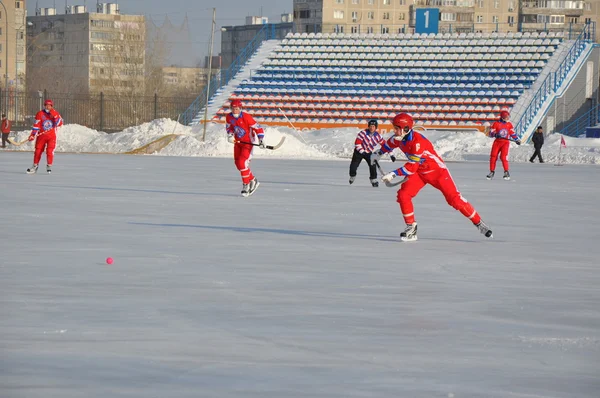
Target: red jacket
{"points": [[244, 127], [46, 122], [5, 126]]}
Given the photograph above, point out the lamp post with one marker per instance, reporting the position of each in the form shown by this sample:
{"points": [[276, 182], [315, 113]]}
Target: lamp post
{"points": [[6, 61]]}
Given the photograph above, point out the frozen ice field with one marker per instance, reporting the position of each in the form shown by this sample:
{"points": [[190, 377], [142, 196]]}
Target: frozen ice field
{"points": [[301, 290]]}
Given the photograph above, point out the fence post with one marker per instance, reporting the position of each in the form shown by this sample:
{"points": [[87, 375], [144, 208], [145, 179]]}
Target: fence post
{"points": [[101, 110], [45, 94], [155, 106]]}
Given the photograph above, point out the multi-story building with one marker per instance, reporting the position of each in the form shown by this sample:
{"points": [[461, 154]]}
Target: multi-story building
{"points": [[398, 16], [235, 38], [12, 43], [86, 52]]}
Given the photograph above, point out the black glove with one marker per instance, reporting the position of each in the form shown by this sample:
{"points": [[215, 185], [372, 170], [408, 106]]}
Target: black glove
{"points": [[518, 142], [393, 158]]}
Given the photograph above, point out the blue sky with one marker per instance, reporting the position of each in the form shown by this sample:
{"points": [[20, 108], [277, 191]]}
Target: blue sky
{"points": [[199, 13]]}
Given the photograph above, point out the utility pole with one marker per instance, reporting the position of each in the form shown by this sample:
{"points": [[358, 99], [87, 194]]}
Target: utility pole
{"points": [[212, 35]]}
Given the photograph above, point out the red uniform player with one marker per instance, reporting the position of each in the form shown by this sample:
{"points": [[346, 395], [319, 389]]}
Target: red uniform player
{"points": [[424, 166], [504, 133], [243, 131], [44, 132]]}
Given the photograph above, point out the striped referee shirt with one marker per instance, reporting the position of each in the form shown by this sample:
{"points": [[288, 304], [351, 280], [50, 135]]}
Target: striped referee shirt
{"points": [[366, 141]]}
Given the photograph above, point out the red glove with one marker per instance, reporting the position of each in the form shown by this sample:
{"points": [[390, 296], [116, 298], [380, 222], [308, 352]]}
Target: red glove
{"points": [[31, 137]]}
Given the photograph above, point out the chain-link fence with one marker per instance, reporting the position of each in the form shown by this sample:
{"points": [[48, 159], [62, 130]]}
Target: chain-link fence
{"points": [[98, 111]]}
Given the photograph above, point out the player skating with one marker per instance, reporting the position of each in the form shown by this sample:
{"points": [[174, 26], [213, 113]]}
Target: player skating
{"points": [[424, 166], [243, 131], [44, 132], [503, 132]]}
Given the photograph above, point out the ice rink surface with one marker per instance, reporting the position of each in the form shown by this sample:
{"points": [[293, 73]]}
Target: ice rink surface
{"points": [[301, 290]]}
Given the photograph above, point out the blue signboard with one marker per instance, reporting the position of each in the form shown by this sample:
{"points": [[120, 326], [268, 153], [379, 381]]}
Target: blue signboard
{"points": [[427, 20]]}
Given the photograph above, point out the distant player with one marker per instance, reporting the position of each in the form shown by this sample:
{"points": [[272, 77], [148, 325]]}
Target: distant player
{"points": [[44, 132], [424, 166], [504, 133], [364, 144], [243, 131]]}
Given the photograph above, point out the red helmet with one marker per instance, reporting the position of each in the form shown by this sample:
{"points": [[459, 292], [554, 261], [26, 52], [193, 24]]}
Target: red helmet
{"points": [[48, 102], [236, 103], [504, 115], [403, 120]]}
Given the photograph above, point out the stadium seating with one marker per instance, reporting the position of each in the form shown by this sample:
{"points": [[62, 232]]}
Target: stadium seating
{"points": [[465, 79]]}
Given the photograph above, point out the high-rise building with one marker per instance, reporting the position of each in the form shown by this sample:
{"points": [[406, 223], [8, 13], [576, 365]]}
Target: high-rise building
{"points": [[86, 52], [12, 43]]}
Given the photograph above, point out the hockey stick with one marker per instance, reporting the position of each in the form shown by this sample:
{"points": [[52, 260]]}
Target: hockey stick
{"points": [[15, 143], [271, 147], [388, 184]]}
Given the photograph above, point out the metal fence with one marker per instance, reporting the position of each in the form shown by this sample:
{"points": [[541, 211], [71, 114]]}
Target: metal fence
{"points": [[98, 111]]}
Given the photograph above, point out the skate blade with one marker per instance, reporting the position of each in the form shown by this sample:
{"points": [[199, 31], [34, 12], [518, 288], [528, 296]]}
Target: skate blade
{"points": [[506, 178], [406, 239]]}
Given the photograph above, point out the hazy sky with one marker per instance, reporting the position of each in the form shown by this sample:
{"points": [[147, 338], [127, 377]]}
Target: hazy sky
{"points": [[199, 13]]}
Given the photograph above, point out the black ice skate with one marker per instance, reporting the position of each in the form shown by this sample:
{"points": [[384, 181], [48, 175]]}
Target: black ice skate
{"points": [[375, 183], [506, 175], [351, 180], [49, 169], [32, 169], [484, 229], [491, 175], [410, 233]]}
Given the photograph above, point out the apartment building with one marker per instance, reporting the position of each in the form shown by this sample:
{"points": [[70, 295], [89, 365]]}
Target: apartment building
{"points": [[86, 52], [398, 16], [12, 43]]}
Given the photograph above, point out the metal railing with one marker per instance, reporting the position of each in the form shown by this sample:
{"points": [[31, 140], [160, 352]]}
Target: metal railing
{"points": [[267, 32], [555, 79], [578, 126], [97, 111]]}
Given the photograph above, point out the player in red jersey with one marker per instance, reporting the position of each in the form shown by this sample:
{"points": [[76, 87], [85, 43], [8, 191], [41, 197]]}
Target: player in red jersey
{"points": [[424, 166], [243, 131], [503, 132], [44, 132]]}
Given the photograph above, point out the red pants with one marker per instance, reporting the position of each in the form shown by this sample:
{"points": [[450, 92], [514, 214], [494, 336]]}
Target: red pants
{"points": [[501, 147], [242, 154], [48, 142], [442, 180]]}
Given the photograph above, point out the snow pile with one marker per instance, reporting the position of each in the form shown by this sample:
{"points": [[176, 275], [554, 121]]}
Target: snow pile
{"points": [[336, 143]]}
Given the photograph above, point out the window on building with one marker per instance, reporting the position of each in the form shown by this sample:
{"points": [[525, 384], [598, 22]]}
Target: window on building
{"points": [[354, 16], [339, 1], [369, 30], [338, 14], [587, 6], [496, 3], [338, 29], [370, 15], [386, 15], [574, 20], [304, 14], [479, 18], [371, 2], [385, 29], [355, 2], [354, 29], [402, 2], [480, 3], [387, 2], [511, 19], [17, 4], [402, 16], [495, 19], [448, 16]]}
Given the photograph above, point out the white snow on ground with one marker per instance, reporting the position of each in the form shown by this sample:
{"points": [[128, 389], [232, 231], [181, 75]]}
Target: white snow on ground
{"points": [[320, 144]]}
